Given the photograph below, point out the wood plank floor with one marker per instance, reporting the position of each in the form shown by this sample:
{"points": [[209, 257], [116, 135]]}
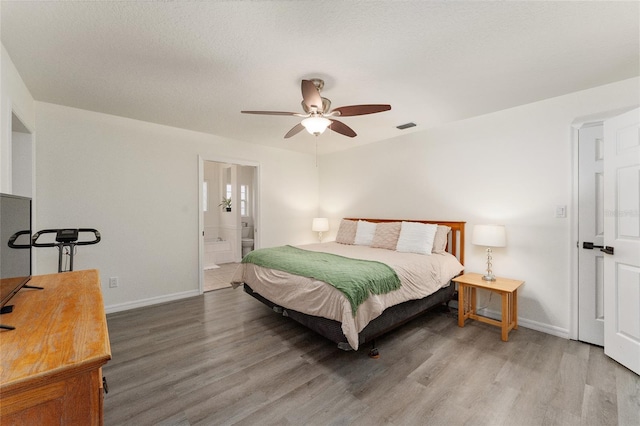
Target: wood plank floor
{"points": [[220, 277], [224, 358]]}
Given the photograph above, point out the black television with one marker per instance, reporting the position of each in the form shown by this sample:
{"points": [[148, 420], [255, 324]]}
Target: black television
{"points": [[15, 245]]}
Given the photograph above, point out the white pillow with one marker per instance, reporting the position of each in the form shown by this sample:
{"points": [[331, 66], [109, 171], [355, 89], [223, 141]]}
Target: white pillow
{"points": [[364, 233], [416, 237]]}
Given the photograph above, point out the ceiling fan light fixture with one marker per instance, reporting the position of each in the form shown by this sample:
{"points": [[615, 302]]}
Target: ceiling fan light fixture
{"points": [[317, 109], [316, 125]]}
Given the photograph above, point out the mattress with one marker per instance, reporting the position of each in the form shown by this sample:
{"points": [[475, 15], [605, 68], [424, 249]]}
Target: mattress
{"points": [[420, 275]]}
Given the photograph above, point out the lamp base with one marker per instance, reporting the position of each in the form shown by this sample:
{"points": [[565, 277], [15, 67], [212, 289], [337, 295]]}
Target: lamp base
{"points": [[488, 276]]}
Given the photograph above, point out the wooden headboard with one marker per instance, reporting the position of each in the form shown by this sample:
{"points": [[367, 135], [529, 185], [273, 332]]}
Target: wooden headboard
{"points": [[455, 245]]}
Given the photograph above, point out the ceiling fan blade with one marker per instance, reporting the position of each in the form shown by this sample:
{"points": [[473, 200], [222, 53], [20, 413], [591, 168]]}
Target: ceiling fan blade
{"points": [[343, 129], [310, 95], [269, 112], [351, 110], [294, 131]]}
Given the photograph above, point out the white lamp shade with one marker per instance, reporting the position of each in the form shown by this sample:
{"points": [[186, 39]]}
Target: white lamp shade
{"points": [[316, 125], [489, 236], [320, 224]]}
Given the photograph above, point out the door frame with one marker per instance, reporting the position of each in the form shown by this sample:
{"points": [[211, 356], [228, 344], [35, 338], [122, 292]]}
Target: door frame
{"points": [[256, 220], [576, 125]]}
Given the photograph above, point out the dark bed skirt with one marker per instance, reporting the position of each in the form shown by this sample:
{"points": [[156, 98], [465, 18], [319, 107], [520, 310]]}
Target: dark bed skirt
{"points": [[391, 318]]}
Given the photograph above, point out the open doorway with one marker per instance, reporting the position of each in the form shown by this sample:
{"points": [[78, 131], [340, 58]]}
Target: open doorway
{"points": [[590, 203], [229, 218], [21, 166], [605, 266]]}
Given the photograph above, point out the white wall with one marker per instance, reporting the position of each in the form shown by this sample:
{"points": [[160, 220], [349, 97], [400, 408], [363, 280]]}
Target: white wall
{"points": [[137, 183], [511, 167], [212, 215]]}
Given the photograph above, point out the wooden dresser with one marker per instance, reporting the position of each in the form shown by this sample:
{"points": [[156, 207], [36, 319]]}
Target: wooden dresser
{"points": [[51, 364]]}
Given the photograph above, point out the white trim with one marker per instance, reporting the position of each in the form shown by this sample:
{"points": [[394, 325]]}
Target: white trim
{"points": [[526, 323], [34, 199], [595, 119], [149, 302], [7, 152], [576, 125], [6, 155], [256, 220], [232, 160], [573, 236], [200, 226]]}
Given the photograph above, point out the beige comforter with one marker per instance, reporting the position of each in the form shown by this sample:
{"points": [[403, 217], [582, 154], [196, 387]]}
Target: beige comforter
{"points": [[420, 275]]}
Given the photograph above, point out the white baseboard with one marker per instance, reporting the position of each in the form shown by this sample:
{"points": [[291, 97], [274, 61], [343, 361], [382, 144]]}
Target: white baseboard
{"points": [[527, 323], [151, 301]]}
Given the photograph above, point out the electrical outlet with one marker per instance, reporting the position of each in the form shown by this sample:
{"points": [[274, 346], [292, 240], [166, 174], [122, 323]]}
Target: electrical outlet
{"points": [[113, 282]]}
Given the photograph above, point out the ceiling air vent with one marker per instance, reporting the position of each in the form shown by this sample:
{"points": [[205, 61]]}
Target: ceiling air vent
{"points": [[406, 126]]}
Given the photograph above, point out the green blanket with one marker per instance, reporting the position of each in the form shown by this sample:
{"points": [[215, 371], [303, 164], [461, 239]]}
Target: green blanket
{"points": [[355, 278]]}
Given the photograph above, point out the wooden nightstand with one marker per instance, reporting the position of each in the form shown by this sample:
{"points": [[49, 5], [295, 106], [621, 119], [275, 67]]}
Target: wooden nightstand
{"points": [[508, 290]]}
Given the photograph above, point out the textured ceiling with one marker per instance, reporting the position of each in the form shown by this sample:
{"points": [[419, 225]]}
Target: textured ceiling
{"points": [[196, 64]]}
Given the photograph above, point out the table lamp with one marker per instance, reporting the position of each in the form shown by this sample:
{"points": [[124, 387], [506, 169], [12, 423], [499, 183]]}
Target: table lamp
{"points": [[320, 225], [489, 236]]}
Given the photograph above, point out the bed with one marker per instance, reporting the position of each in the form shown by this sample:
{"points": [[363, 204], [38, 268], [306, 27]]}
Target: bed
{"points": [[423, 277]]}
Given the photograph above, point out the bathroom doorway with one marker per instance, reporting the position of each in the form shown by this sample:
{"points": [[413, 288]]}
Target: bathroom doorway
{"points": [[229, 216]]}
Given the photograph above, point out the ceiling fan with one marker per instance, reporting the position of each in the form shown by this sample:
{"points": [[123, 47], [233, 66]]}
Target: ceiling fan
{"points": [[318, 113]]}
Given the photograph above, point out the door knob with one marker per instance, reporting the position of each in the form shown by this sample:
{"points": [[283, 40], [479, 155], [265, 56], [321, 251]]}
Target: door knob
{"points": [[607, 250], [590, 246]]}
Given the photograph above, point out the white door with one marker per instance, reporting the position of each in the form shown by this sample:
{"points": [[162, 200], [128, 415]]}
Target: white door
{"points": [[591, 231], [622, 233]]}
